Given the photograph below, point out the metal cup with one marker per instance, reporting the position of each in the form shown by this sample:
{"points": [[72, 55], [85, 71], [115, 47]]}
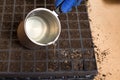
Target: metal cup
{"points": [[41, 27]]}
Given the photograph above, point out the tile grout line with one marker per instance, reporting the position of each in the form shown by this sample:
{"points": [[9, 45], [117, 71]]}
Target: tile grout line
{"points": [[11, 36]]}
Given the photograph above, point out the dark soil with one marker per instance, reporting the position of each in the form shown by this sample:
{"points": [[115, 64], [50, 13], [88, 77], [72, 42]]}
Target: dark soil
{"points": [[83, 16], [6, 24], [64, 44], [4, 55], [66, 66], [5, 35], [64, 34], [64, 25], [62, 17], [89, 65], [7, 17], [84, 24], [73, 25], [16, 55], [53, 66], [8, 9], [86, 33], [40, 55], [15, 67], [4, 44], [78, 65], [75, 44], [3, 66], [82, 8], [72, 16], [40, 67], [87, 43], [74, 34]]}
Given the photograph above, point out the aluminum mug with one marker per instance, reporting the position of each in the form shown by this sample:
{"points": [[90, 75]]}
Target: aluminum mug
{"points": [[41, 27]]}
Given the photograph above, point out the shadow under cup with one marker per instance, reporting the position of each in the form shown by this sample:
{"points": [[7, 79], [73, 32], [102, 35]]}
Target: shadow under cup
{"points": [[40, 28]]}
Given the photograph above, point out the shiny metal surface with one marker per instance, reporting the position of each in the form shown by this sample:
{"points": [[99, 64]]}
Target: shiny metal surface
{"points": [[42, 27]]}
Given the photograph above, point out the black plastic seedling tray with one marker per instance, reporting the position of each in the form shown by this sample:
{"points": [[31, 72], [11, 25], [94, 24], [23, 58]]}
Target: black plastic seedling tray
{"points": [[71, 57]]}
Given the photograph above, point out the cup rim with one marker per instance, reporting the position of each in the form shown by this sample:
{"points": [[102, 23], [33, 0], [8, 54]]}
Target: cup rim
{"points": [[35, 42]]}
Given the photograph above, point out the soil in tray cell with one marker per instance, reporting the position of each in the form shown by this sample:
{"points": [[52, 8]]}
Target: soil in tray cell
{"points": [[18, 17], [78, 65], [86, 34], [4, 55], [4, 44], [76, 54], [75, 44], [1, 2], [38, 2], [27, 66], [40, 67], [88, 54], [40, 55], [50, 2], [74, 34], [52, 54], [28, 55], [87, 43], [3, 66], [64, 34], [53, 66], [29, 2], [62, 16], [8, 9], [15, 26], [15, 67], [14, 35], [16, 44], [20, 2], [5, 35], [54, 46], [64, 44], [9, 2], [83, 16], [0, 18], [64, 54], [84, 25], [72, 16], [66, 65], [19, 9], [1, 10], [6, 25], [29, 8], [64, 25], [73, 25], [7, 17], [89, 65], [82, 8], [16, 55]]}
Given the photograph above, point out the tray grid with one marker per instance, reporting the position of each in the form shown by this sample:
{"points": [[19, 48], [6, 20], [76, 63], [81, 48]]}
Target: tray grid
{"points": [[72, 54]]}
